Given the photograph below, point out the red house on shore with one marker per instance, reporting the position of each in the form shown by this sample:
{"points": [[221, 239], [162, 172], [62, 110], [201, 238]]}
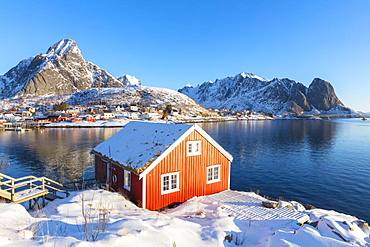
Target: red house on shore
{"points": [[158, 164]]}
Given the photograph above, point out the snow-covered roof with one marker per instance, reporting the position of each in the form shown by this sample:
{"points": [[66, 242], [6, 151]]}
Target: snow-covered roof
{"points": [[139, 143], [142, 145]]}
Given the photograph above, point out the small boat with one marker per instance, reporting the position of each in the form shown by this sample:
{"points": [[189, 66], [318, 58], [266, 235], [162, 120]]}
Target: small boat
{"points": [[363, 119]]}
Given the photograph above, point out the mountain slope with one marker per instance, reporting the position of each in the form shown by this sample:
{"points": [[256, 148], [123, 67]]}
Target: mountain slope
{"points": [[61, 70], [247, 91]]}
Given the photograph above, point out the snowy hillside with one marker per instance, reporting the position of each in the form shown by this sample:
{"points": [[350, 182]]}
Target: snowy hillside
{"points": [[145, 96], [247, 91]]}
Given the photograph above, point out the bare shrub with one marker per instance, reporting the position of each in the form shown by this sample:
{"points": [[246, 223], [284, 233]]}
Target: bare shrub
{"points": [[95, 218]]}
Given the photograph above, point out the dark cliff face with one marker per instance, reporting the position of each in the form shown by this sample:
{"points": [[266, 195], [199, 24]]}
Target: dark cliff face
{"points": [[322, 96], [61, 70], [247, 91]]}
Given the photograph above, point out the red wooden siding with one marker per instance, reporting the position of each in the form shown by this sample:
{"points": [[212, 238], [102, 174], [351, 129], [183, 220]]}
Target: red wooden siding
{"points": [[100, 170], [136, 189], [135, 193], [192, 171]]}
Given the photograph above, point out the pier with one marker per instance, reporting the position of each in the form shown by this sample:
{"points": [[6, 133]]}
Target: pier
{"points": [[29, 188]]}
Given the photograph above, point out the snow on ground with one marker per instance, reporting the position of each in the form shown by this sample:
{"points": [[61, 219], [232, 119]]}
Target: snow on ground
{"points": [[202, 221]]}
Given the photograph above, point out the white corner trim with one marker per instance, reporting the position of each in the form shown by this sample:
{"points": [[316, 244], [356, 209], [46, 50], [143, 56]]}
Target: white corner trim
{"points": [[166, 152], [228, 182], [143, 192], [219, 174], [170, 183]]}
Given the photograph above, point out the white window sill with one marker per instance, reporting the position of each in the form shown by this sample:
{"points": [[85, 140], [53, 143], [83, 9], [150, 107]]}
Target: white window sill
{"points": [[169, 191], [213, 181]]}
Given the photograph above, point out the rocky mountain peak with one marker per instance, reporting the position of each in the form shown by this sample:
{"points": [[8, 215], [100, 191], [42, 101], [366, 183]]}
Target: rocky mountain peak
{"points": [[62, 48], [322, 95], [251, 75], [61, 70]]}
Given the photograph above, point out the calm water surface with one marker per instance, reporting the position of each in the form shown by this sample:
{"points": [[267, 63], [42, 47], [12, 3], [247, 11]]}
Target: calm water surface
{"points": [[323, 163]]}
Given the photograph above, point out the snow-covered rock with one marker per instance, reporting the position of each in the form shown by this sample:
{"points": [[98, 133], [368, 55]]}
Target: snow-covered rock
{"points": [[129, 80]]}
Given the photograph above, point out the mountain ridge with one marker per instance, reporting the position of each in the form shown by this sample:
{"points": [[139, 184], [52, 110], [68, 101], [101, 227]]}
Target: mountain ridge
{"points": [[247, 91]]}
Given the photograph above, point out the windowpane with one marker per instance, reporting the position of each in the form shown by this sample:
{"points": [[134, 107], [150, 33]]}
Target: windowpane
{"points": [[166, 183], [173, 181], [209, 175], [190, 148], [215, 172]]}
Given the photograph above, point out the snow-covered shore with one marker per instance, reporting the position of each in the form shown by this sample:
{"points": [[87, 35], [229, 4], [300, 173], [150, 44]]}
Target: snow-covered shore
{"points": [[202, 221]]}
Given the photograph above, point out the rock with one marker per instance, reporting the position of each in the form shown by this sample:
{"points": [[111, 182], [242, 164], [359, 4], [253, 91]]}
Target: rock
{"points": [[270, 204], [298, 206], [284, 204]]}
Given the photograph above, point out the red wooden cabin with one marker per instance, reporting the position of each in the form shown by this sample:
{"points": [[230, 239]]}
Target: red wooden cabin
{"points": [[158, 164]]}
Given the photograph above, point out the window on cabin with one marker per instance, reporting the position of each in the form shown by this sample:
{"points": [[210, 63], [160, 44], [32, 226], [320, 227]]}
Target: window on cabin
{"points": [[194, 148], [126, 180], [170, 183], [213, 174]]}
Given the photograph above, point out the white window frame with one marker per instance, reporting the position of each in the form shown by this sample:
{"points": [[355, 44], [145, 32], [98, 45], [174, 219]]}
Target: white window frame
{"points": [[170, 190], [125, 174], [193, 144], [213, 180]]}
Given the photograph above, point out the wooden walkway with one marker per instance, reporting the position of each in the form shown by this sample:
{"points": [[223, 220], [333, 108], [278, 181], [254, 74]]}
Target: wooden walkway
{"points": [[246, 208], [29, 188]]}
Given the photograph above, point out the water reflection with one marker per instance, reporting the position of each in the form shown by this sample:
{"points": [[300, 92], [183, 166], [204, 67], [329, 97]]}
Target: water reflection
{"points": [[61, 154]]}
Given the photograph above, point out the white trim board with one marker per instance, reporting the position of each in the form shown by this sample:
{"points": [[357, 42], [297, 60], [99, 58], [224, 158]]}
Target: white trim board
{"points": [[178, 141]]}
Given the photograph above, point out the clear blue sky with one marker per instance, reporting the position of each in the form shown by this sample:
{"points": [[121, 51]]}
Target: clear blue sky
{"points": [[171, 43]]}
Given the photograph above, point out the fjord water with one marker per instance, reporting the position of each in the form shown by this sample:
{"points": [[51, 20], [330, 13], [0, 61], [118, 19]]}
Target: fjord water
{"points": [[323, 163]]}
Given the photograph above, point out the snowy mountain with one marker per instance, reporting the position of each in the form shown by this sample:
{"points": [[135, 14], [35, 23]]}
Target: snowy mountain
{"points": [[247, 91], [61, 70], [63, 73]]}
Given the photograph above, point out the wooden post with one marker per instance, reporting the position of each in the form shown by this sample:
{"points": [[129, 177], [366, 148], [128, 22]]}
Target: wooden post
{"points": [[13, 191]]}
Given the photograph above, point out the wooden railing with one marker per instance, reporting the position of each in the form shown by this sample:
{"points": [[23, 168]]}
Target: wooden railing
{"points": [[11, 187]]}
